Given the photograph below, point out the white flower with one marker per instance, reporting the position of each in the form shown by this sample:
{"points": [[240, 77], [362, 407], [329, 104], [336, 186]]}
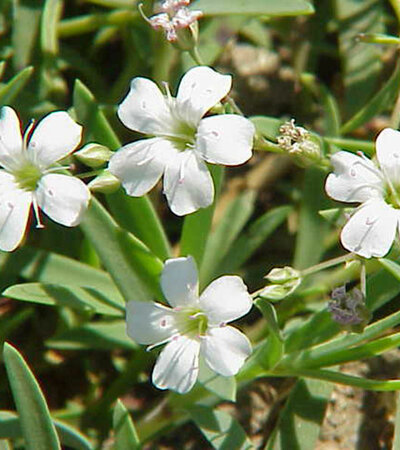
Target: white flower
{"points": [[193, 326], [372, 227], [27, 176], [182, 139]]}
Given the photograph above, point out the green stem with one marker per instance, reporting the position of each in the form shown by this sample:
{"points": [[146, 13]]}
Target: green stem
{"points": [[91, 173], [341, 378], [92, 22], [352, 144], [194, 53], [327, 264]]}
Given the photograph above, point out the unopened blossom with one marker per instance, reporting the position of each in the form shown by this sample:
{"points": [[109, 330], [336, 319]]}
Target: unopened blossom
{"points": [[193, 326], [372, 227], [182, 139], [174, 16], [28, 176]]}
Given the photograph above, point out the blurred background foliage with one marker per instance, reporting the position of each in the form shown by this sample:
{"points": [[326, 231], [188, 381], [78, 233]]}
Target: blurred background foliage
{"points": [[313, 67]]}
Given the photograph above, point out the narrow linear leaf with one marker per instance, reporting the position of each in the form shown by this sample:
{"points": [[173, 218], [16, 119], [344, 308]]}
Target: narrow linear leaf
{"points": [[220, 240], [136, 215], [36, 424], [10, 90], [300, 420], [99, 335], [83, 299], [39, 265], [221, 430], [110, 243], [10, 427], [249, 241], [381, 101], [255, 7], [196, 227], [125, 435]]}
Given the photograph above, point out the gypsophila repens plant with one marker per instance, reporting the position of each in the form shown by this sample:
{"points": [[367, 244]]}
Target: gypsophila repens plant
{"points": [[199, 223]]}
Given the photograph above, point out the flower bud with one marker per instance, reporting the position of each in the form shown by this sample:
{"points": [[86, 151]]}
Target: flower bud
{"points": [[281, 275], [93, 155], [276, 292], [105, 183]]}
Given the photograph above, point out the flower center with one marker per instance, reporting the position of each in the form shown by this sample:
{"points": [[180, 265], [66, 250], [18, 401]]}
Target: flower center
{"points": [[392, 196], [192, 322], [184, 135], [27, 176]]}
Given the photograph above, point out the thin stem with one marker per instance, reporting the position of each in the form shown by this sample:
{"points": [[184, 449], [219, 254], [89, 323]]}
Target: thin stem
{"points": [[363, 280], [194, 53], [352, 144], [92, 173], [327, 264], [395, 117]]}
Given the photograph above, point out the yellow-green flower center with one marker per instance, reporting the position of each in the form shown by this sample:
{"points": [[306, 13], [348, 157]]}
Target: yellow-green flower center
{"points": [[27, 176], [192, 322]]}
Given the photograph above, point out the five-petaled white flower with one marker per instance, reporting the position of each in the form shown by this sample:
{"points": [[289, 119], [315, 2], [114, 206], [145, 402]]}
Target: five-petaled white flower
{"points": [[371, 230], [27, 176], [193, 326], [182, 139]]}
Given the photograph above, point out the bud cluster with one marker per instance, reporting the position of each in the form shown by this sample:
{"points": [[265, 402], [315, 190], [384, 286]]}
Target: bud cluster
{"points": [[284, 281], [298, 142], [174, 15]]}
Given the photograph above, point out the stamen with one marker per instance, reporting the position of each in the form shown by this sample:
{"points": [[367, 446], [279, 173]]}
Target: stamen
{"points": [[140, 8], [164, 341], [39, 224], [28, 132]]}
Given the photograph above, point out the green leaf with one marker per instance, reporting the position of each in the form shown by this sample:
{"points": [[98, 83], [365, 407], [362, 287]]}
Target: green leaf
{"points": [[10, 427], [125, 435], [36, 424], [11, 89], [129, 262], [136, 215], [361, 63], [268, 127], [300, 420], [391, 266], [23, 36], [98, 335], [269, 314], [254, 7], [220, 240], [311, 224], [381, 101], [39, 265], [249, 241], [196, 226], [221, 430], [83, 299], [223, 387]]}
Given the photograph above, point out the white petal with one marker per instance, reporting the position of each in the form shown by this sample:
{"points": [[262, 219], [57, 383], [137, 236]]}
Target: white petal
{"points": [[179, 281], [225, 350], [149, 322], [63, 198], [55, 137], [188, 184], [200, 89], [145, 108], [388, 153], [371, 230], [11, 146], [177, 366], [226, 299], [140, 165], [356, 179], [14, 212], [226, 139]]}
